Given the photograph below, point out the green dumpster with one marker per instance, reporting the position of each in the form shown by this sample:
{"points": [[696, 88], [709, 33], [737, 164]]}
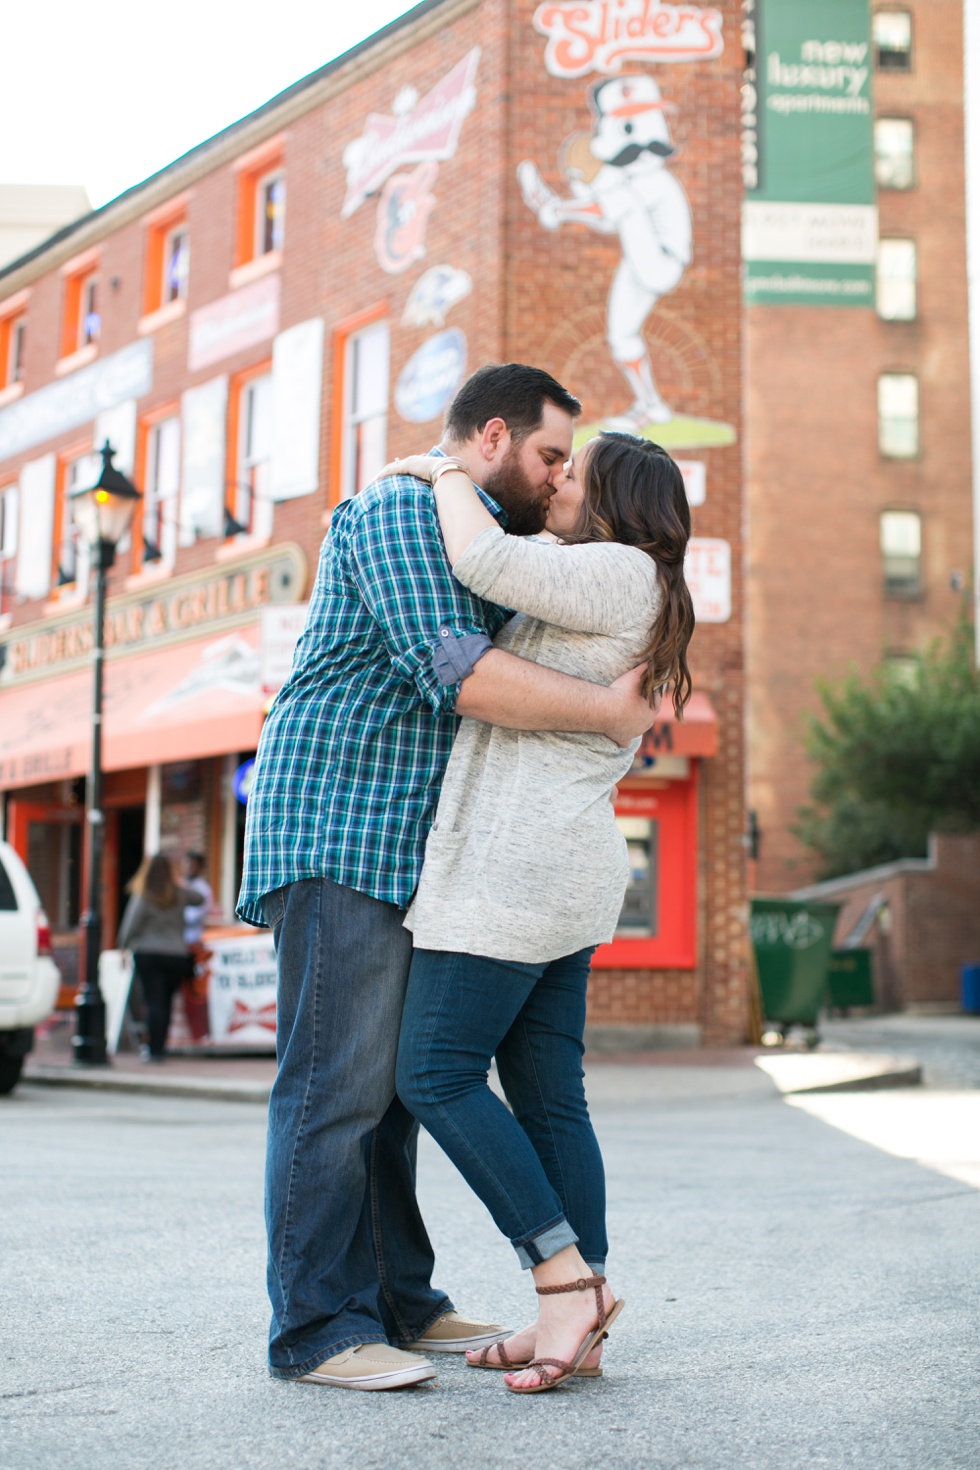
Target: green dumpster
{"points": [[792, 942], [850, 979]]}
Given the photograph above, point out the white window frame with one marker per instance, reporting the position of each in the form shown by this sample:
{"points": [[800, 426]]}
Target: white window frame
{"points": [[879, 28], [14, 366], [252, 503], [262, 184], [898, 415], [889, 292], [9, 511], [161, 504], [885, 164], [900, 542], [67, 531], [353, 478], [88, 288], [165, 285]]}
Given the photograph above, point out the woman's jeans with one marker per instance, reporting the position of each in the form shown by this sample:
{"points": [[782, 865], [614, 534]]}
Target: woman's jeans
{"points": [[538, 1169], [160, 976], [349, 1257]]}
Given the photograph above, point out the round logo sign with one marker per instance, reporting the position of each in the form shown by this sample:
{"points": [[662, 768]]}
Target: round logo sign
{"points": [[431, 376], [241, 781]]}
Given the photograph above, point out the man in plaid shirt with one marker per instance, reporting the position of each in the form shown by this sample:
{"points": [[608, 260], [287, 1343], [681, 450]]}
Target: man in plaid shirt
{"points": [[346, 783]]}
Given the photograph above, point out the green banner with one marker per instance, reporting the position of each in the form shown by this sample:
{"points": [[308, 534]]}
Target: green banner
{"points": [[809, 224]]}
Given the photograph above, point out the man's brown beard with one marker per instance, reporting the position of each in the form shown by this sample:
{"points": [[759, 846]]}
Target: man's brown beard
{"points": [[526, 506]]}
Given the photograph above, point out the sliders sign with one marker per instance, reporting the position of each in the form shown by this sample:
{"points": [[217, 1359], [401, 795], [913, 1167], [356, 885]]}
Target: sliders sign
{"points": [[599, 35]]}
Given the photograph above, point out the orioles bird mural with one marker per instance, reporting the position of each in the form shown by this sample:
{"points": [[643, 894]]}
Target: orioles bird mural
{"points": [[619, 184]]}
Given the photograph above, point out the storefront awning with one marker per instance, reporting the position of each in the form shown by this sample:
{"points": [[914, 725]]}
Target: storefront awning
{"points": [[696, 734], [190, 700]]}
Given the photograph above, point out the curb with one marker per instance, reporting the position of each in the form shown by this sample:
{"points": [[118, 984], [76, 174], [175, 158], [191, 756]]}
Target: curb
{"points": [[99, 1080]]}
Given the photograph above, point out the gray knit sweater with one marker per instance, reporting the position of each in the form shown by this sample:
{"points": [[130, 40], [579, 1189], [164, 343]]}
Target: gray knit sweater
{"points": [[154, 930], [524, 860]]}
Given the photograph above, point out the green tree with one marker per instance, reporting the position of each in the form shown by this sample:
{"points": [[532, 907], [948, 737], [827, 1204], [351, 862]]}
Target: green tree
{"points": [[897, 757]]}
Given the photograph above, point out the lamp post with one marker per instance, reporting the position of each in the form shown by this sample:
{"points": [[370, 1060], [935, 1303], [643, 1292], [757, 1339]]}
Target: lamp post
{"points": [[103, 514]]}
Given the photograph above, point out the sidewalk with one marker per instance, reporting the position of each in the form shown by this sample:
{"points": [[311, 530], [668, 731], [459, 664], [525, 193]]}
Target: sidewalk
{"points": [[237, 1077]]}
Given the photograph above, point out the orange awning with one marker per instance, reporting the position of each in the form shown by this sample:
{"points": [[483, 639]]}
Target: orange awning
{"points": [[696, 734], [180, 703]]}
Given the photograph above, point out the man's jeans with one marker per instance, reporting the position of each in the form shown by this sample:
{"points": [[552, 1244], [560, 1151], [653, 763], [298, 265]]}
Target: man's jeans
{"points": [[539, 1170], [349, 1258]]}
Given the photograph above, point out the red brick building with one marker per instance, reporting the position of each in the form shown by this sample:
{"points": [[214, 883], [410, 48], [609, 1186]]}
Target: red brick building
{"points": [[859, 444], [259, 326]]}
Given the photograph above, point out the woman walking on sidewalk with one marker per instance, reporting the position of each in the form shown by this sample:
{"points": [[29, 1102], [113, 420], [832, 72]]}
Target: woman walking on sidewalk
{"points": [[525, 873], [153, 928]]}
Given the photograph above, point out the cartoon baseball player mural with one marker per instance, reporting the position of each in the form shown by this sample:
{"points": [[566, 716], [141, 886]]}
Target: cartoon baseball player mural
{"points": [[620, 184]]}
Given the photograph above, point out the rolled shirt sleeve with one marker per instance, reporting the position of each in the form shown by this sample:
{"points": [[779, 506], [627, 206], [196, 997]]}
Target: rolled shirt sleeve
{"points": [[434, 629]]}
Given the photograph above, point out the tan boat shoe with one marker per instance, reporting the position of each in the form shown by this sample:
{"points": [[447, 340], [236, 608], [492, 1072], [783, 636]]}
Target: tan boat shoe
{"points": [[371, 1365], [452, 1333]]}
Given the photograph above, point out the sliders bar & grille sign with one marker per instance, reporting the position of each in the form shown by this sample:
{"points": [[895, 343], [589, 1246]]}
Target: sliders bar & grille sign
{"points": [[809, 222], [174, 610]]}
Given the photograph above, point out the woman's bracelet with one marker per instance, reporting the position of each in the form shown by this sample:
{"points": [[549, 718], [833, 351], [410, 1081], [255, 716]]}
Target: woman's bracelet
{"points": [[445, 466]]}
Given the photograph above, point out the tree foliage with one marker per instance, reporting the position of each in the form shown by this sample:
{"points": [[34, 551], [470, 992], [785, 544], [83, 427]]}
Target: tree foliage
{"points": [[897, 757]]}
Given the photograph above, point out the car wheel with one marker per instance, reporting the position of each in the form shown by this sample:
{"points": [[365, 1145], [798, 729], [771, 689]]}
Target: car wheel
{"points": [[10, 1069]]}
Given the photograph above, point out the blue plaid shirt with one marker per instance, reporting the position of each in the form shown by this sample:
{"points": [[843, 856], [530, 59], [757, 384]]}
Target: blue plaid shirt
{"points": [[352, 755]]}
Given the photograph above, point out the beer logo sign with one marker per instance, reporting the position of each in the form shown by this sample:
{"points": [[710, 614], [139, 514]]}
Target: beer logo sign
{"points": [[599, 35]]}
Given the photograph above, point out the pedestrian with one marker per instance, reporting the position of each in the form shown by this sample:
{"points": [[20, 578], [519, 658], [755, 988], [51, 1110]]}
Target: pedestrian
{"points": [[347, 777], [196, 912], [153, 929], [525, 873]]}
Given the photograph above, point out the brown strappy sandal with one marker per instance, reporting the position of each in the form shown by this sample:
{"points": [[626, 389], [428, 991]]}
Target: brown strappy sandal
{"points": [[508, 1365], [571, 1370]]}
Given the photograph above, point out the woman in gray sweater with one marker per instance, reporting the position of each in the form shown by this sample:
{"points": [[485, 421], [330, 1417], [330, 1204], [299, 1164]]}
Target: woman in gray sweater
{"points": [[525, 872], [153, 928]]}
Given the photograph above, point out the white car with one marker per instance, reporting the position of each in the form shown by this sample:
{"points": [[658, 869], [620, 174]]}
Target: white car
{"points": [[29, 977]]}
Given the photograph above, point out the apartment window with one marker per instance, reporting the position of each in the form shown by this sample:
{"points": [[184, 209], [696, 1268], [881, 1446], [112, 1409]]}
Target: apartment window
{"points": [[892, 31], [13, 331], [250, 505], [167, 258], [894, 152], [161, 488], [900, 536], [365, 450], [8, 544], [270, 213], [896, 280], [176, 259], [898, 415], [75, 472], [81, 322], [261, 228]]}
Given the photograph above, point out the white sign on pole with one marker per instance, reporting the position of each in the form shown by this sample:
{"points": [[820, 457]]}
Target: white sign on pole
{"points": [[279, 628], [242, 991], [695, 479], [708, 570]]}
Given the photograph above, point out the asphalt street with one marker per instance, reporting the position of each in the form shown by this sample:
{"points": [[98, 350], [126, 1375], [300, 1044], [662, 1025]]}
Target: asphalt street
{"points": [[797, 1295]]}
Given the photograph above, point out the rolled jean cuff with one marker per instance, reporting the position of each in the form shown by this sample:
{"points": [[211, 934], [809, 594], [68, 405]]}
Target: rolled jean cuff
{"points": [[545, 1243]]}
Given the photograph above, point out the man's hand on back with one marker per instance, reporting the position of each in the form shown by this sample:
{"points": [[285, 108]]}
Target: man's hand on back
{"points": [[631, 713]]}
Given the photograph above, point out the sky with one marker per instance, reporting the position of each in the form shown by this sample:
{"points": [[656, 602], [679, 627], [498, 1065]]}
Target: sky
{"points": [[104, 94]]}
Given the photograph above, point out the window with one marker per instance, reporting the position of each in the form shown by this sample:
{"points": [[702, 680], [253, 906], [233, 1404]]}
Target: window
{"points": [[161, 488], [261, 227], [167, 260], [13, 331], [270, 213], [8, 544], [894, 152], [249, 503], [365, 415], [898, 415], [75, 470], [892, 30], [900, 536], [896, 281], [81, 322]]}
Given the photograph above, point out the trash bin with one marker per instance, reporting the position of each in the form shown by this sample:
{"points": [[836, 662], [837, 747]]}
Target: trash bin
{"points": [[970, 989], [850, 979], [792, 942]]}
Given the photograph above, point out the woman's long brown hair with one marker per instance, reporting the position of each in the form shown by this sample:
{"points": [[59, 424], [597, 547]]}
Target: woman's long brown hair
{"points": [[634, 493], [154, 880]]}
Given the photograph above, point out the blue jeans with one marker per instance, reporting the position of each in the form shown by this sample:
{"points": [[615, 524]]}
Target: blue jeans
{"points": [[537, 1169], [349, 1258]]}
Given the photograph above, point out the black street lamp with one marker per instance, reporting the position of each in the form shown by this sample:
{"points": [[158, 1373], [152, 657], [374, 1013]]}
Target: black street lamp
{"points": [[103, 514]]}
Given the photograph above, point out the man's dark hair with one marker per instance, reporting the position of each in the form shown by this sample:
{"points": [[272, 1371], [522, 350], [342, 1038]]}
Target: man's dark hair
{"points": [[511, 391]]}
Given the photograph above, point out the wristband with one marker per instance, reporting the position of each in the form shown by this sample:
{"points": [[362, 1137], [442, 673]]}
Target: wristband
{"points": [[444, 468]]}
